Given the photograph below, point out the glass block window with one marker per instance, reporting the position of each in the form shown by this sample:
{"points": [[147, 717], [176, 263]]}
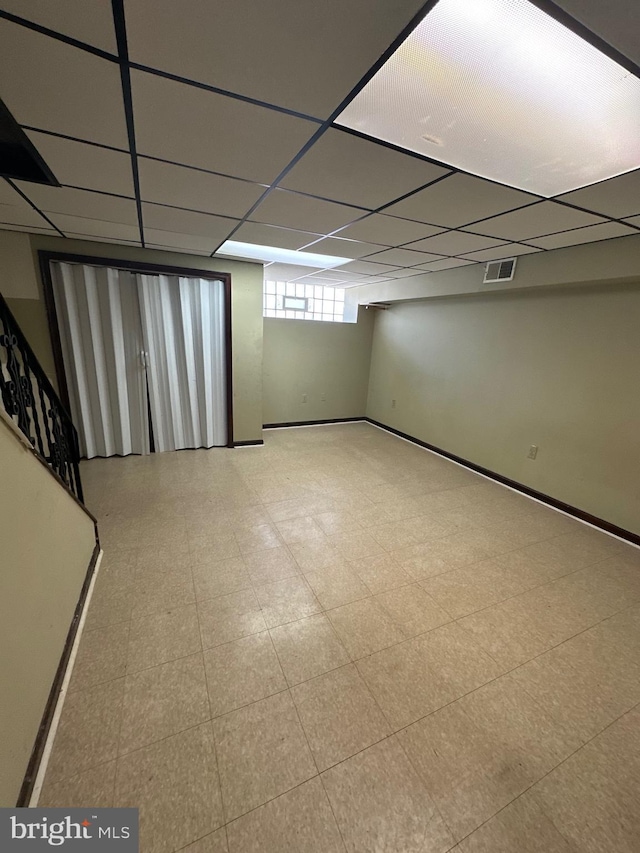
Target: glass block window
{"points": [[303, 302]]}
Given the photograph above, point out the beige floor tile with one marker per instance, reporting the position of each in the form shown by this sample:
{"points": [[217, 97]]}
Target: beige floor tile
{"points": [[380, 803], [262, 752], [438, 556], [220, 578], [339, 715], [479, 753], [592, 798], [174, 783], [110, 604], [270, 566], [472, 588], [156, 594], [413, 609], [242, 672], [163, 637], [229, 617], [215, 842], [162, 701], [94, 787], [521, 827], [402, 683], [308, 647], [316, 554], [101, 656], [153, 562], [336, 585], [299, 530], [87, 733], [355, 545], [380, 573], [286, 601], [284, 510], [258, 537], [210, 549], [300, 820], [458, 660], [339, 522], [508, 632], [364, 627]]}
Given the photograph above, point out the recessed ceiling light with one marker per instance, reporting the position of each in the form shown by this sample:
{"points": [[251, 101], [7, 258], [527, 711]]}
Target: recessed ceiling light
{"points": [[507, 93], [285, 256]]}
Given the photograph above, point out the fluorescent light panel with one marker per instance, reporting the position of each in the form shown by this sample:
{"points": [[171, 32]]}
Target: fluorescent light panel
{"points": [[284, 256], [502, 90]]}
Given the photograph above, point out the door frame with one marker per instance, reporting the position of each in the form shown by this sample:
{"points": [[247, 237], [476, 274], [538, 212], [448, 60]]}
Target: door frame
{"points": [[45, 258]]}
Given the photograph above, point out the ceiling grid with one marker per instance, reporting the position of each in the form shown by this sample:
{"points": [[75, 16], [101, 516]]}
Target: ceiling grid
{"points": [[184, 152]]}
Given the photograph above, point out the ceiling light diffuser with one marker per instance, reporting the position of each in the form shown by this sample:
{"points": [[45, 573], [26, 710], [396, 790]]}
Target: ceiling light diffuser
{"points": [[500, 89], [254, 252]]}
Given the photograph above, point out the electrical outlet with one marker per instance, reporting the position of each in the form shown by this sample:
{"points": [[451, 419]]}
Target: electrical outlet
{"points": [[393, 404], [304, 398], [533, 451]]}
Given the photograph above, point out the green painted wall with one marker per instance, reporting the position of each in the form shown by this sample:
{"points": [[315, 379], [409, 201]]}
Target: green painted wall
{"points": [[330, 360], [486, 376]]}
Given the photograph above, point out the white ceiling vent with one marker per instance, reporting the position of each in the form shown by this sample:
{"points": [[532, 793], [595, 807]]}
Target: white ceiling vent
{"points": [[499, 270]]}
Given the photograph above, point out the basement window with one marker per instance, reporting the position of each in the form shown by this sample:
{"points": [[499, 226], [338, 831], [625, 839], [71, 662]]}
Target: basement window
{"points": [[294, 301]]}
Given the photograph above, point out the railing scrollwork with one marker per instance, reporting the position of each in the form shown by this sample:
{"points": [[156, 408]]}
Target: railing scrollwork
{"points": [[31, 401]]}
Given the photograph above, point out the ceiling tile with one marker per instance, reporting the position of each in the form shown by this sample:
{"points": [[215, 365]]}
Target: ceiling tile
{"points": [[214, 228], [403, 257], [544, 218], [618, 197], [199, 128], [82, 203], [297, 53], [179, 186], [83, 165], [8, 195], [459, 200], [506, 250], [270, 235], [356, 171], [192, 250], [30, 229], [406, 273], [291, 210], [388, 230], [444, 264], [591, 234], [286, 272], [90, 21], [616, 21], [174, 240], [21, 213], [453, 243], [368, 268], [343, 248], [634, 220], [48, 84], [95, 228]]}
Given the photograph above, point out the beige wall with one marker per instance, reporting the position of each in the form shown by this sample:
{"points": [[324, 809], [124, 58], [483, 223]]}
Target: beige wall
{"points": [[484, 377], [47, 544], [17, 280], [319, 360]]}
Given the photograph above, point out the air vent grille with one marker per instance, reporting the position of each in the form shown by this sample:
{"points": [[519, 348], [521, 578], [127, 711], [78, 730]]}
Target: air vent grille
{"points": [[499, 270]]}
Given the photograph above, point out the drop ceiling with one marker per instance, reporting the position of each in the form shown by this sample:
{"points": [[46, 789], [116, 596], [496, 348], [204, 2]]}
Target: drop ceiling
{"points": [[182, 125]]}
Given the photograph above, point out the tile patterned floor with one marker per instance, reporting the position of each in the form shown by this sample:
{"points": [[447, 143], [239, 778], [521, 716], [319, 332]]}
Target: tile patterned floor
{"points": [[341, 642]]}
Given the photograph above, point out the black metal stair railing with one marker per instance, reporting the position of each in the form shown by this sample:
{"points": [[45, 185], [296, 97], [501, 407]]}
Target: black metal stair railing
{"points": [[31, 401]]}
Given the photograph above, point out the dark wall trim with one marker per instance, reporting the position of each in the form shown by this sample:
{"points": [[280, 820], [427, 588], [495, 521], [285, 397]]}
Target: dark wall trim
{"points": [[45, 258], [253, 443], [313, 423], [580, 514], [47, 718]]}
